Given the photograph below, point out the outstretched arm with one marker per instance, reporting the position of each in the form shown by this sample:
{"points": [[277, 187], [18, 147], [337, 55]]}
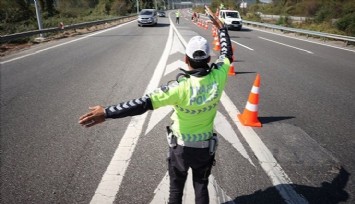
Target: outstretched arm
{"points": [[98, 114], [226, 45]]}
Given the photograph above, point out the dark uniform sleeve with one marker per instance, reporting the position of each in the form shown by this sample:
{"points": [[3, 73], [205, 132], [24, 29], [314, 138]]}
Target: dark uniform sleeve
{"points": [[129, 108], [163, 96], [226, 45]]}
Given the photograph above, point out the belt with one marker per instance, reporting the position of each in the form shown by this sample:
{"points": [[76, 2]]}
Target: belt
{"points": [[199, 144]]}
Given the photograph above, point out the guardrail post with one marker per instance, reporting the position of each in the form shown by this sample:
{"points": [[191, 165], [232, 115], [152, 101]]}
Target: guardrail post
{"points": [[39, 18]]}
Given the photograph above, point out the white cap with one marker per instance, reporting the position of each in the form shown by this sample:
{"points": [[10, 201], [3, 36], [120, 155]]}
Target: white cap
{"points": [[198, 43]]}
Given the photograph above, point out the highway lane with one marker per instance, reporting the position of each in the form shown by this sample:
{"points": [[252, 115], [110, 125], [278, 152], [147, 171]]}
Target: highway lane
{"points": [[311, 93], [46, 97], [304, 93], [47, 156], [323, 78]]}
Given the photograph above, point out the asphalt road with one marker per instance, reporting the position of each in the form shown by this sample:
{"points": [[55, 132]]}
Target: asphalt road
{"points": [[306, 108]]}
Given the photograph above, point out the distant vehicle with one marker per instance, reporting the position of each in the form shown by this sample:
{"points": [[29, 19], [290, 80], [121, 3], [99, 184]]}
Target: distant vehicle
{"points": [[161, 13], [231, 19], [148, 17]]}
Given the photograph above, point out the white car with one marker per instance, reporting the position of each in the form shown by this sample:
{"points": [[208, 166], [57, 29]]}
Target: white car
{"points": [[231, 19]]}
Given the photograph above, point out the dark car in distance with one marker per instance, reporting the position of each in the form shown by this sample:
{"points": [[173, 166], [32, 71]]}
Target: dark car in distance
{"points": [[161, 13]]}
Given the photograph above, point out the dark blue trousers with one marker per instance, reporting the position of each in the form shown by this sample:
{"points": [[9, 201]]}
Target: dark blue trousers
{"points": [[180, 160]]}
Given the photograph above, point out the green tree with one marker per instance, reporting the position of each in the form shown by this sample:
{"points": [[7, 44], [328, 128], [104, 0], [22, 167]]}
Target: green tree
{"points": [[122, 7], [47, 7], [15, 10]]}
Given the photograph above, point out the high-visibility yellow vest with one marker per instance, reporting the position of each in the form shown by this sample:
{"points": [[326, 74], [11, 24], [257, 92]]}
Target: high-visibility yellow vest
{"points": [[195, 101]]}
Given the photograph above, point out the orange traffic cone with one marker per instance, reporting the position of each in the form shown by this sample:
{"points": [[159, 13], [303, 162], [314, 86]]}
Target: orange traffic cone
{"points": [[215, 39], [217, 47], [250, 113], [206, 26], [231, 71]]}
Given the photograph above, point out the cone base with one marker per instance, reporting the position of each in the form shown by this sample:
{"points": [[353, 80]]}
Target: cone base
{"points": [[231, 73], [245, 122]]}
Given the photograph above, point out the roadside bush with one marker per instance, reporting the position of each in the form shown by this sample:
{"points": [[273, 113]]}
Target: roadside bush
{"points": [[9, 28], [347, 24], [325, 27], [119, 8], [284, 21], [310, 7], [290, 10], [253, 17], [322, 15]]}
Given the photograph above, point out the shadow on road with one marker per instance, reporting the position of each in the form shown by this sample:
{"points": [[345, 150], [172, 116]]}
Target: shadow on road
{"points": [[158, 25], [327, 193], [163, 25], [242, 30], [245, 72], [265, 120]]}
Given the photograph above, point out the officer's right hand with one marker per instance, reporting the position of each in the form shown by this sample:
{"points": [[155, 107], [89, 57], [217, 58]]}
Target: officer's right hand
{"points": [[94, 117], [214, 19]]}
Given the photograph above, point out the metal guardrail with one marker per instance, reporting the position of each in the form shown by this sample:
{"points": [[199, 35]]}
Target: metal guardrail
{"points": [[344, 38], [277, 17], [6, 38]]}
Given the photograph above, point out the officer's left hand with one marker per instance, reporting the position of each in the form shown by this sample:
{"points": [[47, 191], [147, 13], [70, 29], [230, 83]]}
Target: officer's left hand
{"points": [[94, 117]]}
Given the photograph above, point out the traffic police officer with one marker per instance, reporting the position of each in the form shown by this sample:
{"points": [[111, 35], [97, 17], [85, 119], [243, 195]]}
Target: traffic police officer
{"points": [[177, 15], [194, 97]]}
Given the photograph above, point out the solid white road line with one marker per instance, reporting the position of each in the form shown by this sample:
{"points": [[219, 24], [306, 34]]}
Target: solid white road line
{"points": [[174, 66], [178, 47], [112, 178], [318, 43], [224, 128], [267, 161], [287, 45], [242, 45], [157, 116], [55, 46]]}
